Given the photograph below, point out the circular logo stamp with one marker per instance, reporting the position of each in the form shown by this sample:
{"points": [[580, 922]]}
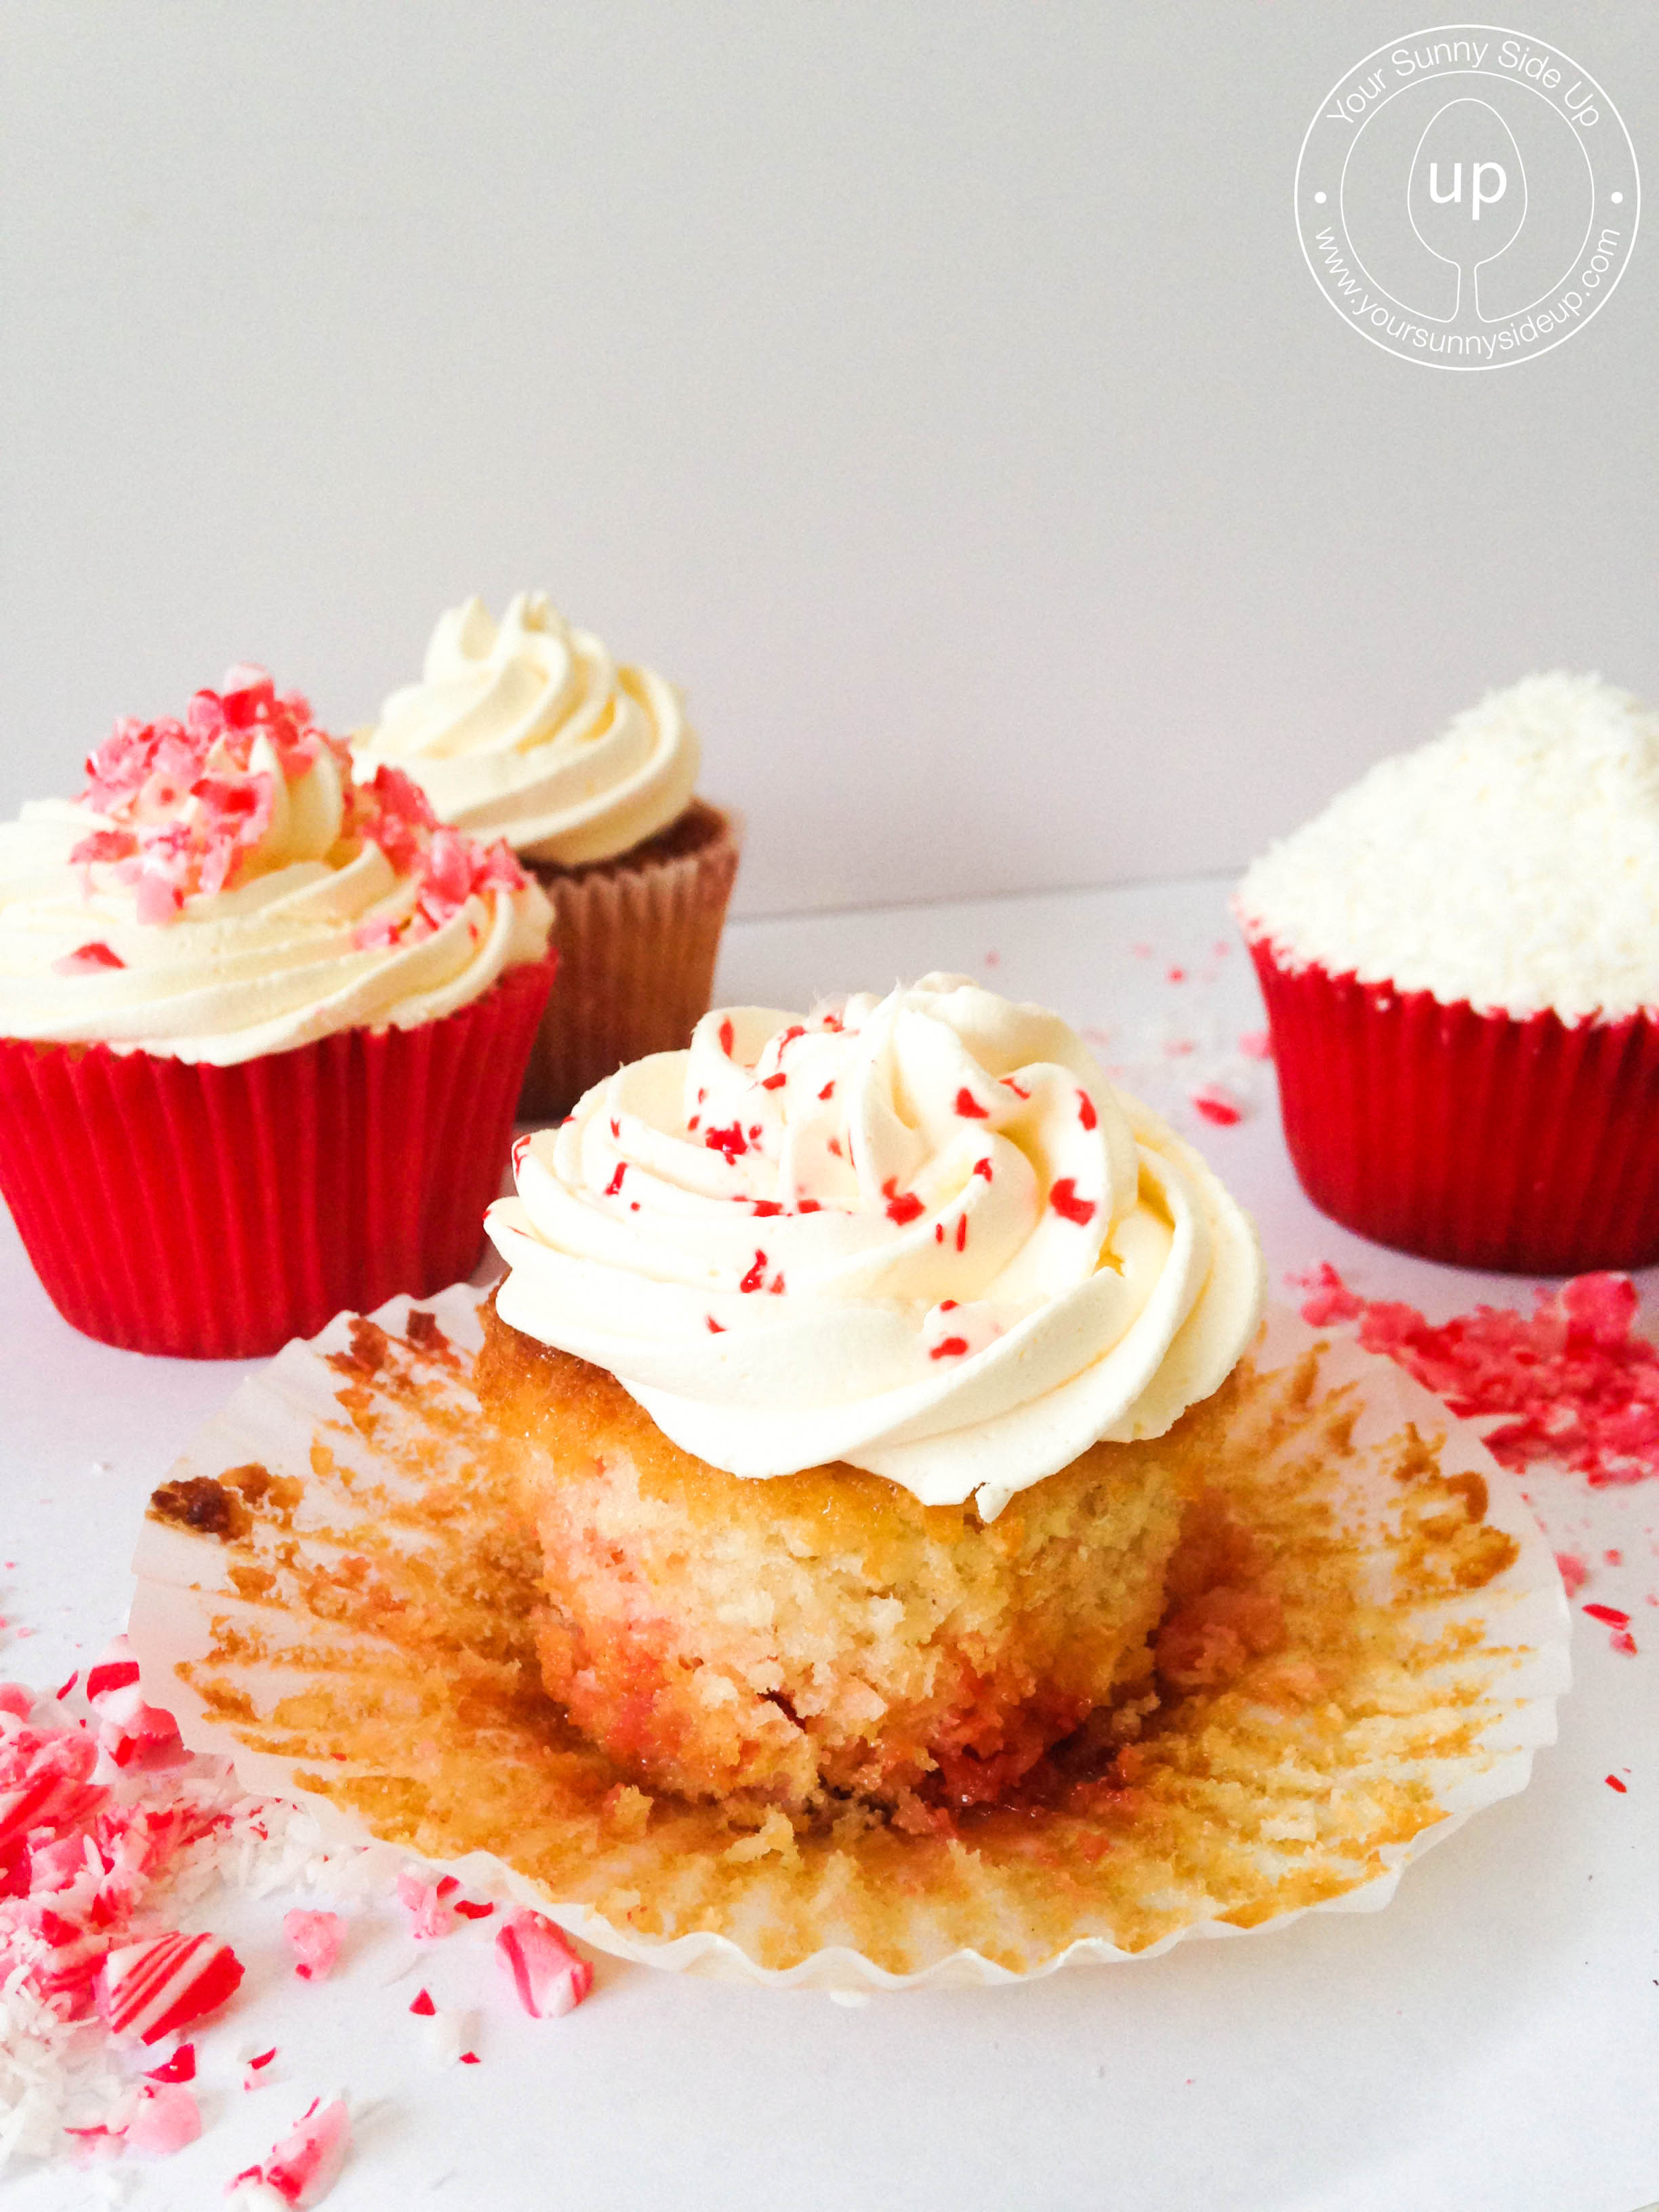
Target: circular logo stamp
{"points": [[1467, 196]]}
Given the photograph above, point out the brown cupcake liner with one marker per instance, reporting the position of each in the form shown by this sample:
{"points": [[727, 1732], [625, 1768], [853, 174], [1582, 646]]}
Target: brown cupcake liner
{"points": [[637, 939], [336, 1587]]}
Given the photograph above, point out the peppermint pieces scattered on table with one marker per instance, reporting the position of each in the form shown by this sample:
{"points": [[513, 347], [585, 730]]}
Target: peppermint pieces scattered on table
{"points": [[1571, 1381], [152, 1989], [549, 1976], [303, 2167]]}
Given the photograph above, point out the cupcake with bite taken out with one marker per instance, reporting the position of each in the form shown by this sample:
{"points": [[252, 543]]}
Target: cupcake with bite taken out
{"points": [[262, 1029], [857, 1368], [1460, 958], [527, 731]]}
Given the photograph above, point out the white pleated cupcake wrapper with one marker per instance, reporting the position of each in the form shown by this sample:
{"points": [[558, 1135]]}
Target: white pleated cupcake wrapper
{"points": [[1519, 1620]]}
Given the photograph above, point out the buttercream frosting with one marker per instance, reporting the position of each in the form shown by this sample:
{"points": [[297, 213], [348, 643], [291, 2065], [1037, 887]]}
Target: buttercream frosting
{"points": [[527, 730], [922, 1234], [222, 887]]}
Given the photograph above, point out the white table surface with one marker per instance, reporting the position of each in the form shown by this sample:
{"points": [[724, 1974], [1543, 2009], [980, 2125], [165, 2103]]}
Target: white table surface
{"points": [[1490, 2043]]}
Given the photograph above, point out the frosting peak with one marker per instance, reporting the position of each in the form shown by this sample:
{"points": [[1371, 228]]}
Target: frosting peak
{"points": [[922, 1234], [222, 888], [528, 729]]}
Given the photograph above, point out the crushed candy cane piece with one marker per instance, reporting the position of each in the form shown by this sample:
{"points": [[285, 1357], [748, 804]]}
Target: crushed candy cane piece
{"points": [[315, 1939], [423, 2006], [426, 1905], [1329, 1298], [90, 959], [1576, 1385], [150, 1989], [181, 2067], [1574, 1573], [550, 1977], [305, 2166], [445, 2034], [164, 2118], [1218, 1104], [473, 1909], [114, 1668]]}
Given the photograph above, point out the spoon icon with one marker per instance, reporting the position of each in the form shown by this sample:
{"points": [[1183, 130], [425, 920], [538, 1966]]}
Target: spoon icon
{"points": [[1466, 193]]}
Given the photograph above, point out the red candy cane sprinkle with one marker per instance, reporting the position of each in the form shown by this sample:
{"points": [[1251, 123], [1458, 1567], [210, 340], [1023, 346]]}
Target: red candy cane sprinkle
{"points": [[424, 2008], [756, 1278], [87, 960], [714, 1328], [550, 1978], [969, 1107], [982, 1168], [181, 2067], [315, 1939], [150, 1990], [1018, 1089], [731, 1141], [1613, 1782], [902, 1206], [1086, 1110], [962, 1232], [1218, 1104], [306, 2164], [949, 1347], [726, 1035], [616, 1182], [1608, 1613], [1063, 1197], [774, 1082], [829, 1089]]}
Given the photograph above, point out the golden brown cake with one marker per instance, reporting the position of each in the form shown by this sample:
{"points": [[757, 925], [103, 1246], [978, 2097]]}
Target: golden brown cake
{"points": [[824, 1633]]}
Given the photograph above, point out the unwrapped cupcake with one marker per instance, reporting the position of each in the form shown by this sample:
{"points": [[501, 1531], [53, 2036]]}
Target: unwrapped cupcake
{"points": [[528, 730], [262, 1029], [1461, 963], [852, 1360]]}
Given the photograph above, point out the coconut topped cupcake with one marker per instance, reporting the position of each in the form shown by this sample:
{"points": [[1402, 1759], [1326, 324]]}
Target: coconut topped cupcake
{"points": [[1512, 863], [528, 729], [222, 889], [922, 1234]]}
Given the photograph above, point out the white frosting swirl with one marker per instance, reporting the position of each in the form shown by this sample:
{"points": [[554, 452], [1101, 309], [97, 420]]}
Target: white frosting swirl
{"points": [[223, 889], [529, 730], [921, 1234]]}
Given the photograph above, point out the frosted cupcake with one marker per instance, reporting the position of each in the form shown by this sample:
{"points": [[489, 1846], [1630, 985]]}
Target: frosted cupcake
{"points": [[528, 730], [1461, 963], [859, 1366], [262, 1029]]}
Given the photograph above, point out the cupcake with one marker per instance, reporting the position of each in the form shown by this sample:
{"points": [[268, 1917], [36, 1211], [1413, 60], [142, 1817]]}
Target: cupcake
{"points": [[1461, 963], [529, 731], [855, 1366], [262, 1029]]}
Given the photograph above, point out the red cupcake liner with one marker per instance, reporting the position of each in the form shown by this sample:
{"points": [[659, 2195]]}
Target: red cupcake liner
{"points": [[215, 1213], [1523, 1147]]}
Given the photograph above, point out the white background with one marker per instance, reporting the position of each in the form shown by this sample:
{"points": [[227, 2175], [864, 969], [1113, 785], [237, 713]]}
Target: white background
{"points": [[935, 390]]}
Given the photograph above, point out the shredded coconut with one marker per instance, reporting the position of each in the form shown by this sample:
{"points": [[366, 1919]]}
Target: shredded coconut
{"points": [[101, 1854], [1570, 1382], [1513, 862]]}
